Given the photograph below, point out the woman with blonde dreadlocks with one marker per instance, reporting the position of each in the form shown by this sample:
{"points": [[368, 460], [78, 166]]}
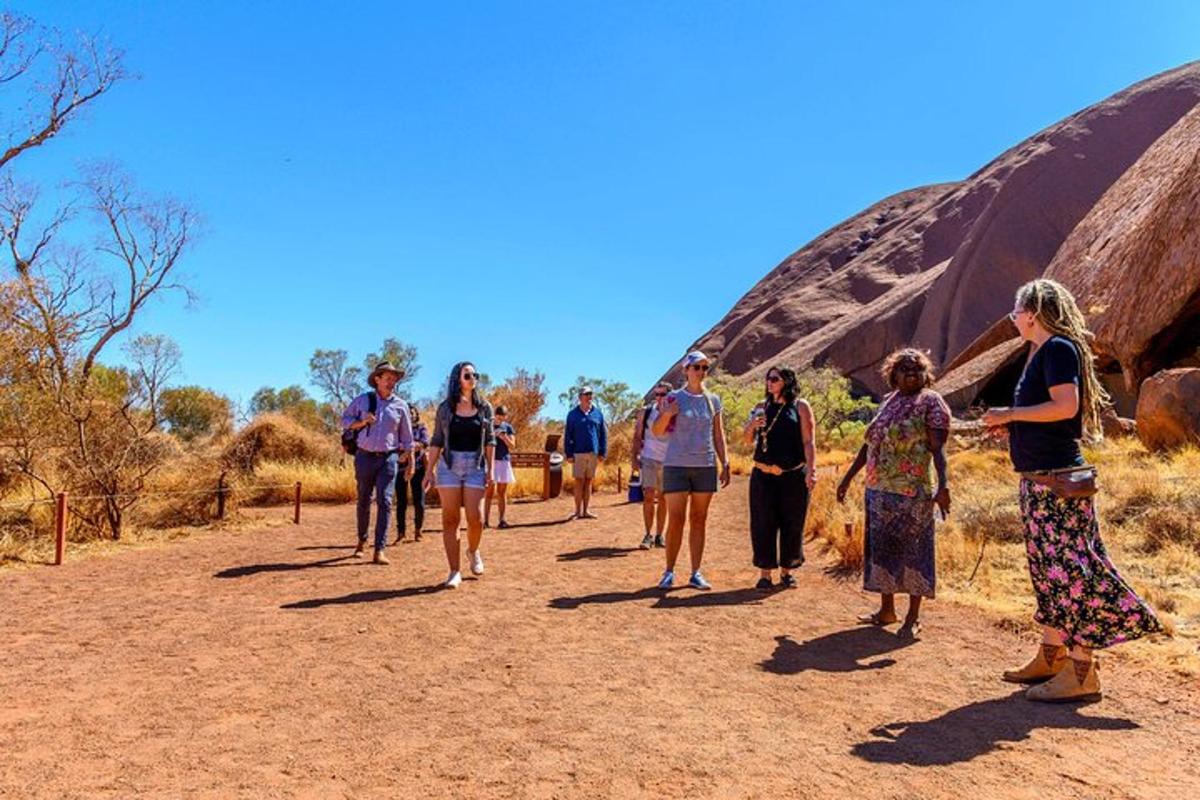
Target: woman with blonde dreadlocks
{"points": [[1082, 602]]}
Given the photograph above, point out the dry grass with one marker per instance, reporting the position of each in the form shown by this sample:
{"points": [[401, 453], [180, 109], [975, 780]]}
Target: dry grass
{"points": [[1149, 512]]}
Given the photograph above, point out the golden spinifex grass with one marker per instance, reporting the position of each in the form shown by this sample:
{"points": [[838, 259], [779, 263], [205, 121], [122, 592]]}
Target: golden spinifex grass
{"points": [[1149, 508]]}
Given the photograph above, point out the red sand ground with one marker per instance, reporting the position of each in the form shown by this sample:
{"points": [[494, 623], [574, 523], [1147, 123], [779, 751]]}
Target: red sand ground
{"points": [[271, 664]]}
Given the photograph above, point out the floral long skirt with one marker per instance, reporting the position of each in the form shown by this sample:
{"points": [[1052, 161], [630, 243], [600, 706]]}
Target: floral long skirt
{"points": [[898, 553], [1079, 591]]}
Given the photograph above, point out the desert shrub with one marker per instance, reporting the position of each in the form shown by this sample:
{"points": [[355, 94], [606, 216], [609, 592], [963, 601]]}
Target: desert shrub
{"points": [[278, 437]]}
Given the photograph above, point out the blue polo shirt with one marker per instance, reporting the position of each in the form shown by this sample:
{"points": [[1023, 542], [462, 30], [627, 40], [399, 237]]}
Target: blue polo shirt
{"points": [[585, 433]]}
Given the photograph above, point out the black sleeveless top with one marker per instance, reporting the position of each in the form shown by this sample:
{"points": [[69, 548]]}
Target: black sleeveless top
{"points": [[785, 439]]}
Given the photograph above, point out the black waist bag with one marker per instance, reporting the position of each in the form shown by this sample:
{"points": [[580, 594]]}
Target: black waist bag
{"points": [[350, 438]]}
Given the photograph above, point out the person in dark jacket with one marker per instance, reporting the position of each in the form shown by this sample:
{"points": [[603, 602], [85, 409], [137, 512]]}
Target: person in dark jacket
{"points": [[585, 444]]}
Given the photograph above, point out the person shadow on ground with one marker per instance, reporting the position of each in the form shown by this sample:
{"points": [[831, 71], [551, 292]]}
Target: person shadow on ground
{"points": [[973, 730], [677, 597], [848, 650]]}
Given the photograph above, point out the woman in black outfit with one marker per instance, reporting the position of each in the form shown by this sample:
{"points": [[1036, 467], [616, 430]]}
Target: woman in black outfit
{"points": [[416, 484], [782, 429]]}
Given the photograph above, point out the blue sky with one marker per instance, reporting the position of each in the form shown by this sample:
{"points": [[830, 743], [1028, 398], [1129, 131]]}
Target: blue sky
{"points": [[571, 187]]}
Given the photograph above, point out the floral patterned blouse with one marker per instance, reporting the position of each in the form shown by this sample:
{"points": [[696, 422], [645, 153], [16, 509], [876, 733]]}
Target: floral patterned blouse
{"points": [[899, 460]]}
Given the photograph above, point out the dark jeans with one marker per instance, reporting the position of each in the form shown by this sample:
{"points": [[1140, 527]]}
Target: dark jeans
{"points": [[418, 498], [778, 508], [375, 474]]}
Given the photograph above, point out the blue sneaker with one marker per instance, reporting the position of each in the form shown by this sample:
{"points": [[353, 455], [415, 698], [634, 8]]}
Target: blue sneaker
{"points": [[667, 580], [697, 581]]}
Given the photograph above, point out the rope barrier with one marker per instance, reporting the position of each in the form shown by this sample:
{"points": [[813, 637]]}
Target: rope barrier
{"points": [[26, 503], [231, 489]]}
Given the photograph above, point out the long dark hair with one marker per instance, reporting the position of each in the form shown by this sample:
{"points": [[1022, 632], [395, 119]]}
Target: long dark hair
{"points": [[454, 387], [791, 388]]}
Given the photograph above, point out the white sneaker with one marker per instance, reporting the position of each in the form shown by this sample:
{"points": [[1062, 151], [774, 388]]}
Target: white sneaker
{"points": [[667, 580], [476, 561], [454, 580]]}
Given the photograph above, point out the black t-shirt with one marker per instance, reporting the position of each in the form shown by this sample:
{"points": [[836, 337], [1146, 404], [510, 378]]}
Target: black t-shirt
{"points": [[466, 433], [1036, 446], [784, 440], [501, 447]]}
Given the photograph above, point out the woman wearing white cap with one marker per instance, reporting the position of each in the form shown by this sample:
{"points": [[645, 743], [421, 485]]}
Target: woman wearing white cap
{"points": [[691, 422]]}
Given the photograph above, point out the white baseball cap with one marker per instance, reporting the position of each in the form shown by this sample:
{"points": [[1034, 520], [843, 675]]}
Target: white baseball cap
{"points": [[693, 358]]}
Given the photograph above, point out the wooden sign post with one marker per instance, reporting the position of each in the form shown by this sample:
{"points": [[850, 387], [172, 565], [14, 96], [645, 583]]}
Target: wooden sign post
{"points": [[531, 461]]}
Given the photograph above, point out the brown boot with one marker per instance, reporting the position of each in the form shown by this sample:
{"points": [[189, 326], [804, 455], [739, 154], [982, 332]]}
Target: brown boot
{"points": [[1048, 662], [1078, 683], [380, 558]]}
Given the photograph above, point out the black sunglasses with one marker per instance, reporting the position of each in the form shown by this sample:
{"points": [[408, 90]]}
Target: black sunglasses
{"points": [[469, 376], [774, 379], [660, 394], [585, 394], [701, 367]]}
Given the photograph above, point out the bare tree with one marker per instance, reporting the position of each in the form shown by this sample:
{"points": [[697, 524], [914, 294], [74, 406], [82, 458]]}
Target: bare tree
{"points": [[62, 77], [154, 360], [67, 306]]}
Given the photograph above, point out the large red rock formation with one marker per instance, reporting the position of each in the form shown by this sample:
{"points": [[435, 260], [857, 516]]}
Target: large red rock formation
{"points": [[1133, 263], [937, 266]]}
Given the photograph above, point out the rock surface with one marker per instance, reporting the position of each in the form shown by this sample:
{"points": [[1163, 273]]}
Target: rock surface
{"points": [[1168, 412], [936, 267]]}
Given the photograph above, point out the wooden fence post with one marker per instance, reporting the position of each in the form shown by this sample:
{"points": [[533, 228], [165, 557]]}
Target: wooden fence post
{"points": [[60, 528], [296, 519], [221, 496]]}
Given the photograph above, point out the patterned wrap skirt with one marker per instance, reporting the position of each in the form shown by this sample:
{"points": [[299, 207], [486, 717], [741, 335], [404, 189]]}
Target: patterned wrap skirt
{"points": [[1079, 591], [898, 554]]}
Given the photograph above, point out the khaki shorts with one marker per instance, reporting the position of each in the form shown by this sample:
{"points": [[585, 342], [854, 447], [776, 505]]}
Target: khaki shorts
{"points": [[584, 467], [652, 474]]}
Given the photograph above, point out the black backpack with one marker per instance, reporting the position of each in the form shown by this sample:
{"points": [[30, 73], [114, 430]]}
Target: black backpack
{"points": [[646, 419], [350, 438]]}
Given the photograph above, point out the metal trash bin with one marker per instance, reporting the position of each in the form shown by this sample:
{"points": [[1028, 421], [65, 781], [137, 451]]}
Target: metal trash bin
{"points": [[556, 474]]}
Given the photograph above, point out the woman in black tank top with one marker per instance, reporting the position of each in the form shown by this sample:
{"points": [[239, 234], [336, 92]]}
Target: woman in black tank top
{"points": [[782, 429]]}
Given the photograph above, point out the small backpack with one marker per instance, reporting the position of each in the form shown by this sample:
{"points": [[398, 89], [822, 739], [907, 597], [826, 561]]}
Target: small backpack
{"points": [[350, 438]]}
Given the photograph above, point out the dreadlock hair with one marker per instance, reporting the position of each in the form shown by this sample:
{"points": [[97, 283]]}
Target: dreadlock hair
{"points": [[1054, 307]]}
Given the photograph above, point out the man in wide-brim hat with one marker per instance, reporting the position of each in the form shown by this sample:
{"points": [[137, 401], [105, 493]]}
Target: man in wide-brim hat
{"points": [[382, 435]]}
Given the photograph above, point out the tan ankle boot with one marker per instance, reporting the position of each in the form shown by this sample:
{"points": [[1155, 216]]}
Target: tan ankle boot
{"points": [[1077, 683], [1048, 662]]}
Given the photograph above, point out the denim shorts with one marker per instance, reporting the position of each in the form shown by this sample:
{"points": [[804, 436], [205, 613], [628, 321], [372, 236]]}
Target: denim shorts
{"points": [[689, 479], [464, 472]]}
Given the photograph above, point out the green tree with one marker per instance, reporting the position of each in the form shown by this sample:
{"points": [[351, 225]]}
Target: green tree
{"points": [[193, 412], [403, 356], [339, 382], [615, 398], [293, 401]]}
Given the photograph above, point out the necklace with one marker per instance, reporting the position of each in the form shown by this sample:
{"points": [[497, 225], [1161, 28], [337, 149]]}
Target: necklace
{"points": [[765, 432]]}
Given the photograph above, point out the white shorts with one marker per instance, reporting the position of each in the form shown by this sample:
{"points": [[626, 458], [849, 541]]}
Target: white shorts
{"points": [[502, 471]]}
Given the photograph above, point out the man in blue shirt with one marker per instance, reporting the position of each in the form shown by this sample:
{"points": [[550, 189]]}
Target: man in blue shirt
{"points": [[585, 444], [382, 436]]}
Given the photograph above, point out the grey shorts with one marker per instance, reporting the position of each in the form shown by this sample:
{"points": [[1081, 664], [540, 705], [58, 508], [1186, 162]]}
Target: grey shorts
{"points": [[584, 467], [697, 480], [652, 474], [464, 472]]}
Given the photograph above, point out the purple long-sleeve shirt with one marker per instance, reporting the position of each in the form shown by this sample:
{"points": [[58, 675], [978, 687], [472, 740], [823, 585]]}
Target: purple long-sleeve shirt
{"points": [[392, 429]]}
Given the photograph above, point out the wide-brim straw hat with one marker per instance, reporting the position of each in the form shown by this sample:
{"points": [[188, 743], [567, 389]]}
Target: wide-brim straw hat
{"points": [[381, 367]]}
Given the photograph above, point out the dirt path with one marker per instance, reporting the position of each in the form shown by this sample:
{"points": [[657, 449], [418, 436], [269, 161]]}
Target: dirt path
{"points": [[271, 664]]}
